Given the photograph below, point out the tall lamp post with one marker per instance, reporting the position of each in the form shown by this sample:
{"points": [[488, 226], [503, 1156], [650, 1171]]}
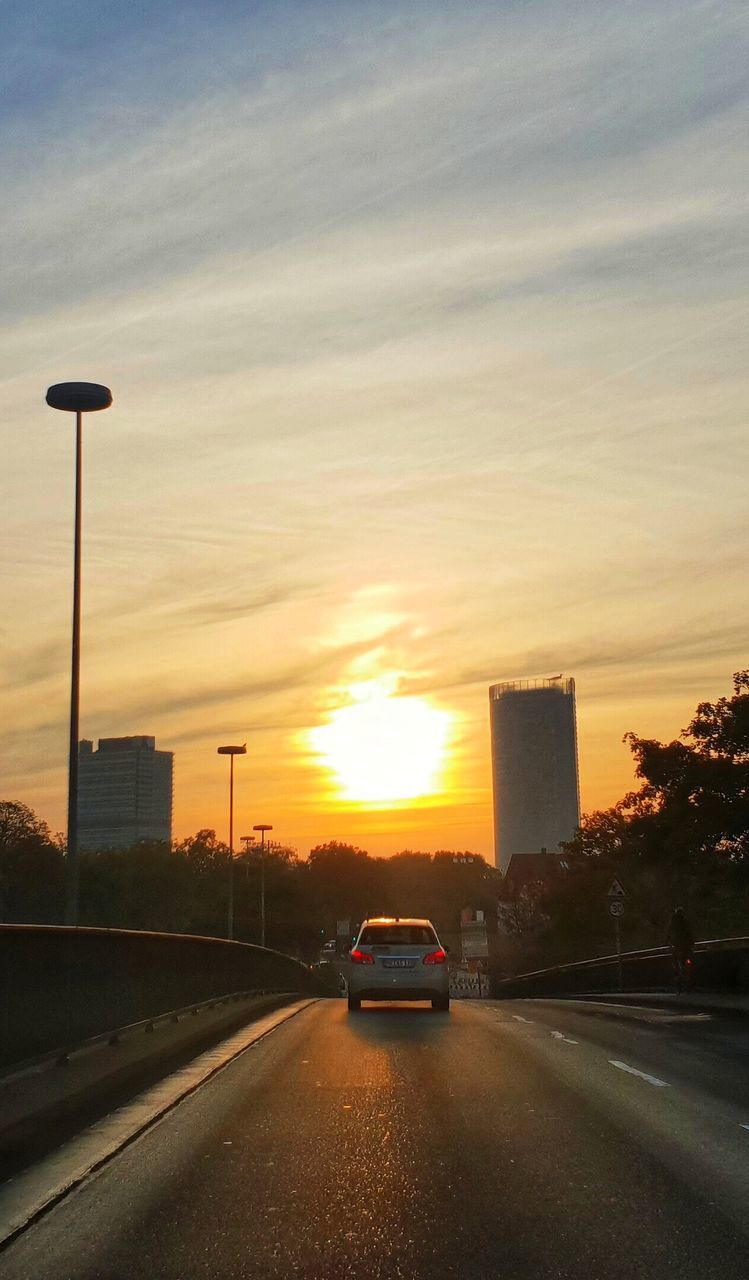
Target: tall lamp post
{"points": [[77, 398], [262, 827], [231, 752]]}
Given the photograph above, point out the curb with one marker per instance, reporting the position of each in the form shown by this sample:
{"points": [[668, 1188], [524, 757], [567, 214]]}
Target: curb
{"points": [[32, 1193], [53, 1088]]}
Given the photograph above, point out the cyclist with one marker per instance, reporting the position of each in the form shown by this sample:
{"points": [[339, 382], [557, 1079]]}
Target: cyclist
{"points": [[679, 938]]}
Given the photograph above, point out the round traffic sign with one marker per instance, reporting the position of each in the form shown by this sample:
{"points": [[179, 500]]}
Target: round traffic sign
{"points": [[616, 908]]}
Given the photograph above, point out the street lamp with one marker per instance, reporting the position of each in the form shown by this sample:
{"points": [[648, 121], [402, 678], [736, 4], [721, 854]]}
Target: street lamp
{"points": [[77, 398], [248, 842], [262, 827], [231, 752]]}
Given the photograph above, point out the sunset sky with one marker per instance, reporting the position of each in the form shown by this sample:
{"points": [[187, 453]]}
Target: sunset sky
{"points": [[426, 326]]}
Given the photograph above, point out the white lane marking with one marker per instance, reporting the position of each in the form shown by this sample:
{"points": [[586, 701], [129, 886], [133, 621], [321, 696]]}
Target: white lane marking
{"points": [[745, 1126], [517, 1018], [642, 1075], [559, 1035]]}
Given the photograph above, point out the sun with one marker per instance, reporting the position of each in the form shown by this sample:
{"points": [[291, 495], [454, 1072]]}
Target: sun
{"points": [[384, 748]]}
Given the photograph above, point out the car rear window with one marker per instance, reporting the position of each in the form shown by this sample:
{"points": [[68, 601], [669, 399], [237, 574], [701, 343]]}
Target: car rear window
{"points": [[403, 935]]}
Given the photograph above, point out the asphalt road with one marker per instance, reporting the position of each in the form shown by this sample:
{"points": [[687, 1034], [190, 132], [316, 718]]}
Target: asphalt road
{"points": [[522, 1139]]}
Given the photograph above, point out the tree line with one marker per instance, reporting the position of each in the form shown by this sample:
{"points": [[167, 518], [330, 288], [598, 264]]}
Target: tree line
{"points": [[184, 888]]}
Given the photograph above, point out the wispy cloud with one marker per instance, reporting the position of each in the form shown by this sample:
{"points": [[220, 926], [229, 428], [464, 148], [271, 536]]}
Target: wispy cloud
{"points": [[418, 296]]}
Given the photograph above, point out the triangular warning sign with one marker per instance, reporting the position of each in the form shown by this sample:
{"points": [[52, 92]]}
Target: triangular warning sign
{"points": [[616, 891]]}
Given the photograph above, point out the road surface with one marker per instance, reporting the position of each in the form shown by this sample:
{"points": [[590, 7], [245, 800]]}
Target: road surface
{"points": [[533, 1139]]}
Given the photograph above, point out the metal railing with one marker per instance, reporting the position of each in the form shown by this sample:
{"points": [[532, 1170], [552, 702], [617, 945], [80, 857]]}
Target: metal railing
{"points": [[513, 686], [721, 964], [61, 985]]}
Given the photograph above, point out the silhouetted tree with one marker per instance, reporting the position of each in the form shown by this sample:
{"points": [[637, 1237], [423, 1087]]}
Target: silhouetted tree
{"points": [[31, 867], [207, 860], [681, 839], [145, 887], [288, 923], [343, 883], [408, 877]]}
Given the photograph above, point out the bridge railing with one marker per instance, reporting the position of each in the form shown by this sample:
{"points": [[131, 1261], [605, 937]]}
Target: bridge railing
{"points": [[60, 985], [721, 964]]}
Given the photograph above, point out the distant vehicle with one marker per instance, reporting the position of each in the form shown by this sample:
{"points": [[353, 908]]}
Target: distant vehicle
{"points": [[394, 959], [328, 948]]}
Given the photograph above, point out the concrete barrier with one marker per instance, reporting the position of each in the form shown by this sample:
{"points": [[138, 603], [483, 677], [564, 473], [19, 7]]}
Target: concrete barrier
{"points": [[40, 1092], [61, 985], [721, 964]]}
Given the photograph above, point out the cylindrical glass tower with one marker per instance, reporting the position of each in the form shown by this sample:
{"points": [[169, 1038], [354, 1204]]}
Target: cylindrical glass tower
{"points": [[534, 766]]}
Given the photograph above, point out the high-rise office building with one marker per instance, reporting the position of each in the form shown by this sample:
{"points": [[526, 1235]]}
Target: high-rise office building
{"points": [[534, 766], [124, 793]]}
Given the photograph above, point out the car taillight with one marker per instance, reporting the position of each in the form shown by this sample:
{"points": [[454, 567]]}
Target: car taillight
{"points": [[435, 957], [361, 957]]}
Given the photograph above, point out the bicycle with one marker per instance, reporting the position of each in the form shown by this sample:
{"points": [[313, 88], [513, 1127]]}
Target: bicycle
{"points": [[683, 971]]}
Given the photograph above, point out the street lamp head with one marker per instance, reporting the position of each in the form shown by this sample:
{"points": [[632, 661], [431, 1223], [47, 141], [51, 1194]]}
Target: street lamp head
{"points": [[233, 751], [79, 397], [262, 826]]}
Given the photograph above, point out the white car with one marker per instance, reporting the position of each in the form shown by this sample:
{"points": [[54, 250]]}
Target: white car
{"points": [[398, 959]]}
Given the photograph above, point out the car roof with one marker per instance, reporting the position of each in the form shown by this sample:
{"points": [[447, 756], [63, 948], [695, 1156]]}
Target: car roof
{"points": [[397, 920]]}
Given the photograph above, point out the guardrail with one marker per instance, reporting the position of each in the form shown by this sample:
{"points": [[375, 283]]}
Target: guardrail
{"points": [[63, 1055], [61, 985], [721, 964]]}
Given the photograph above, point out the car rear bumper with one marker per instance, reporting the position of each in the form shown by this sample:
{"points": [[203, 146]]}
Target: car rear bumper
{"points": [[398, 993], [421, 982]]}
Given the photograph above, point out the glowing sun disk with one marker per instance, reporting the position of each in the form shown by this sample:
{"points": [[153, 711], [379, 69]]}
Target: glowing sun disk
{"points": [[384, 748]]}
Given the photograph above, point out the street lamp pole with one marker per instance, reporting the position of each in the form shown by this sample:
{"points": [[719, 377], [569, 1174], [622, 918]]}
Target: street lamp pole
{"points": [[231, 752], [248, 842], [77, 398], [262, 827]]}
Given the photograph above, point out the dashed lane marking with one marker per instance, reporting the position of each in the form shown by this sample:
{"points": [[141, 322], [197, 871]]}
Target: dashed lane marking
{"points": [[641, 1075], [518, 1018], [559, 1035]]}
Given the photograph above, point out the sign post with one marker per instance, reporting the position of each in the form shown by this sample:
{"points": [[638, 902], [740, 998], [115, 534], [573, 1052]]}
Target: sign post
{"points": [[475, 946], [616, 897]]}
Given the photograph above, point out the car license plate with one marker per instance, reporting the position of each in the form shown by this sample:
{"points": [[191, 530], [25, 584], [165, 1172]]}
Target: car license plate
{"points": [[398, 964]]}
